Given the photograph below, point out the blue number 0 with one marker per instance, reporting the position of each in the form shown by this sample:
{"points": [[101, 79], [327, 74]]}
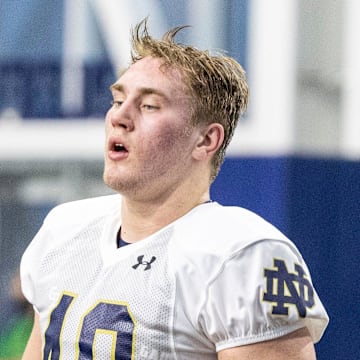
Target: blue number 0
{"points": [[105, 318]]}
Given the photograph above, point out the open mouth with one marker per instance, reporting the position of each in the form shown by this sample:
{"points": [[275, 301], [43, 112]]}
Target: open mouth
{"points": [[119, 148]]}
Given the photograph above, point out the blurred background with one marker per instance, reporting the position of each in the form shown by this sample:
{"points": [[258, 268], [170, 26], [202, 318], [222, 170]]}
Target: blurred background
{"points": [[294, 158]]}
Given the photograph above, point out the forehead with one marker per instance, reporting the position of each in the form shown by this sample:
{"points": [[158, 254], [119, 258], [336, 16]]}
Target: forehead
{"points": [[151, 73]]}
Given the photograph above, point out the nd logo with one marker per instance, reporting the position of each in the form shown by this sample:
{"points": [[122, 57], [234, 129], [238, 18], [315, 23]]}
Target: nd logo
{"points": [[284, 288]]}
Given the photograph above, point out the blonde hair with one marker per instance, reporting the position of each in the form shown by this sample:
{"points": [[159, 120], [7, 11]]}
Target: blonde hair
{"points": [[216, 83]]}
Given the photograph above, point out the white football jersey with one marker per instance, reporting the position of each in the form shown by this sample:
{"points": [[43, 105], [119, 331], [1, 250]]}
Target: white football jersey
{"points": [[216, 278]]}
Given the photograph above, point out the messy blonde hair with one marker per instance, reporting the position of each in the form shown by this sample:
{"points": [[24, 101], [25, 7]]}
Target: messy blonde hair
{"points": [[216, 83]]}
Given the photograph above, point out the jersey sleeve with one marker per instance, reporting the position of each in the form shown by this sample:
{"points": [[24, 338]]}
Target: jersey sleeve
{"points": [[29, 265], [32, 259], [261, 293]]}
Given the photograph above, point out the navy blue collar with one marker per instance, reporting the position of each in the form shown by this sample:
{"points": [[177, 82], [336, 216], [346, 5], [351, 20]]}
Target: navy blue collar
{"points": [[119, 241]]}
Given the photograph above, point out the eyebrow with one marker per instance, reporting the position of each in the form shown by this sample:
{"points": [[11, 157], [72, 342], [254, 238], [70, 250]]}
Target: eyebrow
{"points": [[141, 91]]}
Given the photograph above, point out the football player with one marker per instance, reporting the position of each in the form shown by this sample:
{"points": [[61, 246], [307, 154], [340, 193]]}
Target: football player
{"points": [[159, 271]]}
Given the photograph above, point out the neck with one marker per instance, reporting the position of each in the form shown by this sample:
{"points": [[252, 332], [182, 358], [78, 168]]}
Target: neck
{"points": [[140, 219]]}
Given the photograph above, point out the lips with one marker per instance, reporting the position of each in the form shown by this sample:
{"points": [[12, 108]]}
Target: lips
{"points": [[117, 149]]}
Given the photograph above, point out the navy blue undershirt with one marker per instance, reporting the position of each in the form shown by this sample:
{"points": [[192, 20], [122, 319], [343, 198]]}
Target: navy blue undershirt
{"points": [[119, 241]]}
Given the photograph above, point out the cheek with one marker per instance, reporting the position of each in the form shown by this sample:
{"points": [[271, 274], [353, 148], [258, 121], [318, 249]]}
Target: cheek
{"points": [[171, 140]]}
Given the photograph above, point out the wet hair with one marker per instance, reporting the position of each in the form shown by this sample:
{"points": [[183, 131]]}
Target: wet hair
{"points": [[216, 83]]}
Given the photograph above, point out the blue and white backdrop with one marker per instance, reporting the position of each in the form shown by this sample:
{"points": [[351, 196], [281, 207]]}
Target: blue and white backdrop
{"points": [[294, 158]]}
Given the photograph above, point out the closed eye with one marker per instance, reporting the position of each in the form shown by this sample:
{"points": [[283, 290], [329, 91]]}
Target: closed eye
{"points": [[149, 107], [116, 103]]}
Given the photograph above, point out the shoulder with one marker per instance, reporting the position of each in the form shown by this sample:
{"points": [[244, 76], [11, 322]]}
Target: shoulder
{"points": [[225, 229], [212, 236], [218, 247], [79, 213], [85, 208], [63, 223], [68, 219]]}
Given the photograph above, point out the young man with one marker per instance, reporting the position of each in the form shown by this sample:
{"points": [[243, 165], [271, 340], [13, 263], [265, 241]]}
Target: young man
{"points": [[160, 271]]}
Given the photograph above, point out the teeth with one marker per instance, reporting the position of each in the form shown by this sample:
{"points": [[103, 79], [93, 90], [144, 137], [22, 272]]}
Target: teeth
{"points": [[119, 147]]}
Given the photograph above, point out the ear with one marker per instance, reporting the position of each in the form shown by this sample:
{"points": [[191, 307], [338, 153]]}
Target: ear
{"points": [[210, 140]]}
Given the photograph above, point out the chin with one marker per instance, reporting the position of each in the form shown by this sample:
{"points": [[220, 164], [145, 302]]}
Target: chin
{"points": [[113, 182], [110, 181]]}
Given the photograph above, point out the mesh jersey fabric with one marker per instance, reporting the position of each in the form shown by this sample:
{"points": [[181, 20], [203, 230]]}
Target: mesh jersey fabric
{"points": [[188, 291]]}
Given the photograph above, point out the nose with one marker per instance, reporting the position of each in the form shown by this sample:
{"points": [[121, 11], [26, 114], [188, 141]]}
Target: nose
{"points": [[122, 116]]}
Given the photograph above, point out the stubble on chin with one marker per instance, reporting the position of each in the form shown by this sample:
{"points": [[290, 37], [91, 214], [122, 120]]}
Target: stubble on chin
{"points": [[120, 184], [112, 181]]}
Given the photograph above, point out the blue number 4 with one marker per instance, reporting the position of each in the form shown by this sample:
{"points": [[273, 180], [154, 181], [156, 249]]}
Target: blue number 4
{"points": [[111, 318]]}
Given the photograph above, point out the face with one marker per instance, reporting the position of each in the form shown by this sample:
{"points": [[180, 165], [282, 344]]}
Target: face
{"points": [[149, 139]]}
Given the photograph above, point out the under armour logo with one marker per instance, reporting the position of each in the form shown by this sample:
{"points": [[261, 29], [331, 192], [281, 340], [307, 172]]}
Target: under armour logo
{"points": [[141, 261], [284, 288]]}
